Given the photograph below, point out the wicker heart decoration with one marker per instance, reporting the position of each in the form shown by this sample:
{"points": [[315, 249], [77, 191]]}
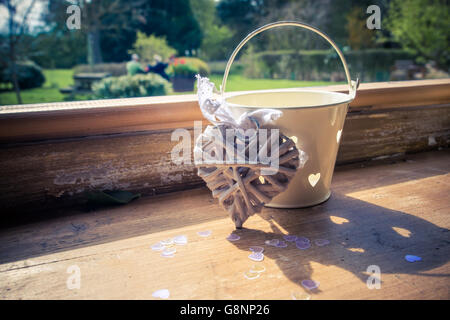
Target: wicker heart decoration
{"points": [[241, 187], [232, 156]]}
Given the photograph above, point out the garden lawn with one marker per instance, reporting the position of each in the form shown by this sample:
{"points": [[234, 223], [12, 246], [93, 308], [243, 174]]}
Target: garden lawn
{"points": [[49, 92], [61, 78], [239, 83]]}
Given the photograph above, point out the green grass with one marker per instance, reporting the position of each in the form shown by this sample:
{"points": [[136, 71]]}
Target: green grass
{"points": [[61, 78], [240, 83], [49, 92]]}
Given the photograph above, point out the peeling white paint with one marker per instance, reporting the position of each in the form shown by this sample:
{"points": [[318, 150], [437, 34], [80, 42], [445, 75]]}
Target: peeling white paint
{"points": [[100, 177], [167, 169]]}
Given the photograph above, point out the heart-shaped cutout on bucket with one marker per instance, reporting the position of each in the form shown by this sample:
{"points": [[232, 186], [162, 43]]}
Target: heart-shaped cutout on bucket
{"points": [[313, 179]]}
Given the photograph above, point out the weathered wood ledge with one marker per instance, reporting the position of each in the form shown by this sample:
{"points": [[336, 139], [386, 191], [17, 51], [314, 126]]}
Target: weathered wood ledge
{"points": [[52, 155], [375, 216]]}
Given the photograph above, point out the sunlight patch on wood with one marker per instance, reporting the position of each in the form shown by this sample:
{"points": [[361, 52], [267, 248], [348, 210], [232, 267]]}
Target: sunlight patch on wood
{"points": [[403, 232], [360, 250], [338, 220]]}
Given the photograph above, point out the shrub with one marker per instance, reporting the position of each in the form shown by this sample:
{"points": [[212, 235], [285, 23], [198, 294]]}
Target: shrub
{"points": [[422, 27], [182, 68], [114, 69], [29, 75], [148, 46], [216, 42], [201, 65], [141, 85]]}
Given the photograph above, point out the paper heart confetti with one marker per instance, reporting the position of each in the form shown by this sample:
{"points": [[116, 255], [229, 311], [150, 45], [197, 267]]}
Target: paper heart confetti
{"points": [[303, 239], [281, 244], [313, 179], [302, 245], [257, 249], [321, 242], [300, 296], [168, 252], [233, 237], [167, 242], [257, 268], [310, 284], [162, 294], [205, 233], [290, 238], [180, 240], [272, 242], [251, 275], [158, 246], [256, 256], [412, 258]]}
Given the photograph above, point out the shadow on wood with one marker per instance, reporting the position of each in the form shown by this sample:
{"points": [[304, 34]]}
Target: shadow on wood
{"points": [[360, 235]]}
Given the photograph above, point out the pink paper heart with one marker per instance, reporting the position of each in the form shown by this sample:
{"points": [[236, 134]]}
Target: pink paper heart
{"points": [[180, 240], [233, 237], [281, 244], [412, 258], [162, 294], [290, 238], [321, 242], [205, 233], [251, 275], [272, 242], [302, 245], [256, 256], [310, 284], [168, 252], [158, 246], [303, 239], [167, 242], [257, 249]]}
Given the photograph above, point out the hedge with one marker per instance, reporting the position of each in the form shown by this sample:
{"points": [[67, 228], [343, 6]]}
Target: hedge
{"points": [[323, 65], [29, 75], [140, 85]]}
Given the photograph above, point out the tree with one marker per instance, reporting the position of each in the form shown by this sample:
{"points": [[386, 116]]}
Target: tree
{"points": [[149, 46], [71, 46], [216, 37], [423, 28], [18, 14], [172, 19], [241, 16], [104, 23], [359, 36]]}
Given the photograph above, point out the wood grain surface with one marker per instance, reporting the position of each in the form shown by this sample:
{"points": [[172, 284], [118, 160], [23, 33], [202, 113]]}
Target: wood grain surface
{"points": [[51, 174], [377, 214]]}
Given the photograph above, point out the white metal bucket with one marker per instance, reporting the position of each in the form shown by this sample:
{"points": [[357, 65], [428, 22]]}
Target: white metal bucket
{"points": [[315, 117]]}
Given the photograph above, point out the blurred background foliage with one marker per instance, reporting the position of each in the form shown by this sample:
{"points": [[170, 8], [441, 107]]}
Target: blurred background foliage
{"points": [[205, 32]]}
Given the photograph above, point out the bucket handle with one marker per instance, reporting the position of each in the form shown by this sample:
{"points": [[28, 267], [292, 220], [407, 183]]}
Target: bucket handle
{"points": [[353, 85]]}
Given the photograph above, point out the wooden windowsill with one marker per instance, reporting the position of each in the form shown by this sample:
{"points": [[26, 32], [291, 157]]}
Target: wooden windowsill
{"points": [[376, 216], [53, 155], [95, 117]]}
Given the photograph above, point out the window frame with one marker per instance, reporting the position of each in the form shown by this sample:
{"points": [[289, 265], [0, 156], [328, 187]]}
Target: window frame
{"points": [[58, 120]]}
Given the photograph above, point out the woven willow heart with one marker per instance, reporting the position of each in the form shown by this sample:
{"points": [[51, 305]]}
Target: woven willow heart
{"points": [[241, 187]]}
